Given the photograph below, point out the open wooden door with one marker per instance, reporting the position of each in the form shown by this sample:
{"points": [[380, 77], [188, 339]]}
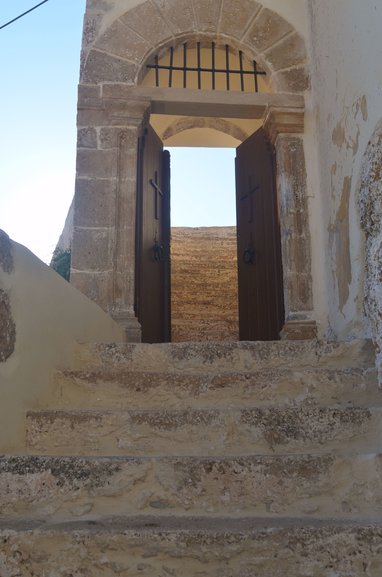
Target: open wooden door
{"points": [[152, 298], [261, 305]]}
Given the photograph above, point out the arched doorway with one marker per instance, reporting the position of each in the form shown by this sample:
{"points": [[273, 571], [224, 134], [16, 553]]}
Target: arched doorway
{"points": [[261, 308], [115, 107]]}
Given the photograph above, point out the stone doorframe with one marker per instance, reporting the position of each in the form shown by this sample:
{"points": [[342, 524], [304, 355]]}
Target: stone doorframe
{"points": [[103, 248], [120, 37]]}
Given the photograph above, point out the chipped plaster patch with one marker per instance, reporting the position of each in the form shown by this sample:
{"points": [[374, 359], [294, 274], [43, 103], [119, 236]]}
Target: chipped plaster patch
{"points": [[347, 130], [7, 328], [341, 240], [338, 136], [6, 257]]}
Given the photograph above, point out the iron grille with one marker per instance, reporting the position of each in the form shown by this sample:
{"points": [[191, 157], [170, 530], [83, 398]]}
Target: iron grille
{"points": [[243, 71]]}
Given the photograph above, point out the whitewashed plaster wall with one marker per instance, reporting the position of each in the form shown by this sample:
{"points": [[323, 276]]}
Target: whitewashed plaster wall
{"points": [[50, 317], [347, 93]]}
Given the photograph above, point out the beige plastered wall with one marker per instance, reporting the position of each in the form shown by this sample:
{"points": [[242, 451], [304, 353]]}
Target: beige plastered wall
{"points": [[347, 92], [51, 319]]}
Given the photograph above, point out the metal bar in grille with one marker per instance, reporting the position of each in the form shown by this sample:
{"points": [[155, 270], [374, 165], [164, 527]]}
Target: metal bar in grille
{"points": [[199, 69], [227, 64], [213, 66], [156, 71], [241, 71], [255, 73], [185, 65], [171, 67], [202, 69]]}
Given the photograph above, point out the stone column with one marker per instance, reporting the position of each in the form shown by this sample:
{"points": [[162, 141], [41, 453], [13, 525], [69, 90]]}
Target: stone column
{"points": [[103, 247], [122, 308], [284, 128]]}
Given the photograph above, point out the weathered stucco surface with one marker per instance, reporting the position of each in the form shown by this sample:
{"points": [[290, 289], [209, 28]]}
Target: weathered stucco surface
{"points": [[370, 203], [346, 73]]}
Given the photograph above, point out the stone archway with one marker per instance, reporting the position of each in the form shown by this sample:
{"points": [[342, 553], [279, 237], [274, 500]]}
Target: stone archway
{"points": [[113, 108], [370, 203], [118, 53]]}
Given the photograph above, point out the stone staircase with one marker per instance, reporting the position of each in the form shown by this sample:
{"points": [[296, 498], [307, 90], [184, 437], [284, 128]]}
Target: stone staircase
{"points": [[196, 460]]}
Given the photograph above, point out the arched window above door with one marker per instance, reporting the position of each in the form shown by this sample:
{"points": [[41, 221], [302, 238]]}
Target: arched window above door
{"points": [[205, 66]]}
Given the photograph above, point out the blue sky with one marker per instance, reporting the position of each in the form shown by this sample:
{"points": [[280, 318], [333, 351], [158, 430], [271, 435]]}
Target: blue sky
{"points": [[40, 67]]}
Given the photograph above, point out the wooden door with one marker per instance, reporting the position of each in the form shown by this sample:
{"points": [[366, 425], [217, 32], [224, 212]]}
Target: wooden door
{"points": [[153, 239], [261, 306]]}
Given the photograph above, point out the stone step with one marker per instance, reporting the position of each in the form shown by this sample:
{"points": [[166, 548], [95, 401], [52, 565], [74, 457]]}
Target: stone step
{"points": [[226, 356], [75, 488], [260, 430], [126, 389], [154, 547]]}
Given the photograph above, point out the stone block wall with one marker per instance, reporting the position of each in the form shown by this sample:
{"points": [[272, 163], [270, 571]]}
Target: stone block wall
{"points": [[204, 297]]}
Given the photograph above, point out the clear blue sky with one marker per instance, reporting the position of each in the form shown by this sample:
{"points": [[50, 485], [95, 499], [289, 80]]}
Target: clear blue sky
{"points": [[39, 75], [40, 67]]}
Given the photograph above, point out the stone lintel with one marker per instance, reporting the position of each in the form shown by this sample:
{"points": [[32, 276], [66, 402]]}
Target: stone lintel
{"points": [[283, 121], [192, 102]]}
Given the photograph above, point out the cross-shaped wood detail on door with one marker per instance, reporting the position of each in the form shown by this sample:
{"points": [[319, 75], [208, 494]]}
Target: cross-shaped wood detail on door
{"points": [[250, 197], [158, 194]]}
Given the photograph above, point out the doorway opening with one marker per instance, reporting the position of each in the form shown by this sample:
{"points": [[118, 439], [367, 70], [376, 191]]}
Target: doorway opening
{"points": [[182, 276], [203, 253], [258, 247]]}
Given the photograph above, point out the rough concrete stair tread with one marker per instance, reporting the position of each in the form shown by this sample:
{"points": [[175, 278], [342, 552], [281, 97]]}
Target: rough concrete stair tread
{"points": [[68, 412], [126, 377], [115, 547], [239, 355], [142, 390], [196, 458], [65, 488], [314, 494], [123, 375], [167, 523], [168, 419], [197, 431]]}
